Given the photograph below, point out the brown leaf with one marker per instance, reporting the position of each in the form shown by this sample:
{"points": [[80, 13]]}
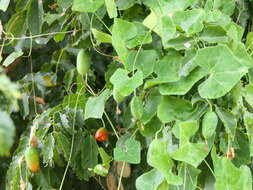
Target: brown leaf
{"points": [[13, 65], [112, 184], [127, 169], [53, 6], [34, 141], [230, 153], [40, 100]]}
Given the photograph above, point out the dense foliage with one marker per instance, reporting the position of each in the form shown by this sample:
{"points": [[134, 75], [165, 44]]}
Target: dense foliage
{"points": [[126, 94]]}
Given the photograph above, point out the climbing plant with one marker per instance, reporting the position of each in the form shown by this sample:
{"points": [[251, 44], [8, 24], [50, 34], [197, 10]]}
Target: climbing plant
{"points": [[126, 94]]}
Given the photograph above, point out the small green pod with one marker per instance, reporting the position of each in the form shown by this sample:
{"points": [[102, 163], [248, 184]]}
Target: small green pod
{"points": [[101, 170], [32, 158], [83, 62]]}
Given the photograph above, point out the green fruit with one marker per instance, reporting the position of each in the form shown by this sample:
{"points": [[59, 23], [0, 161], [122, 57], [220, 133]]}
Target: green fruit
{"points": [[101, 170], [83, 62], [32, 158]]}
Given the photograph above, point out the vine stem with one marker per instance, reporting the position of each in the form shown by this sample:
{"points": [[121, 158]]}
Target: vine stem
{"points": [[209, 168], [187, 170], [93, 45], [103, 23], [33, 86], [113, 128], [138, 52], [121, 174], [39, 35], [58, 61], [72, 139]]}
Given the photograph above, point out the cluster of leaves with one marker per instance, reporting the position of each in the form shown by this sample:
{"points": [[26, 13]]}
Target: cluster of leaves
{"points": [[171, 80]]}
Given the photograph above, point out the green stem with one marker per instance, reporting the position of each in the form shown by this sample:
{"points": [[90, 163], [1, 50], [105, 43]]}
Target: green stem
{"points": [[72, 140], [121, 174], [113, 128]]}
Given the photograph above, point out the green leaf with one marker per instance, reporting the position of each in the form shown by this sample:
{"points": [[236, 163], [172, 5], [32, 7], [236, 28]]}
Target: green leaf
{"points": [[248, 122], [149, 180], [123, 85], [162, 25], [72, 100], [4, 5], [191, 153], [213, 34], [87, 5], [169, 6], [167, 70], [69, 78], [89, 152], [48, 149], [181, 42], [189, 175], [120, 36], [187, 130], [182, 86], [143, 60], [60, 36], [42, 180], [224, 69], [106, 159], [188, 64], [34, 16], [242, 54], [111, 8], [14, 55], [64, 4], [229, 121], [150, 128], [136, 107], [7, 133], [128, 151], [228, 176], [143, 36], [209, 124], [172, 108], [63, 142], [249, 41], [242, 149], [81, 142], [190, 21], [122, 4], [151, 105], [159, 158], [226, 7], [17, 24], [95, 106], [249, 94], [101, 37]]}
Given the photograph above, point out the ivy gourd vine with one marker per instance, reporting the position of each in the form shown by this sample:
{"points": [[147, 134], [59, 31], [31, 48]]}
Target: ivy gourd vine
{"points": [[126, 94]]}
